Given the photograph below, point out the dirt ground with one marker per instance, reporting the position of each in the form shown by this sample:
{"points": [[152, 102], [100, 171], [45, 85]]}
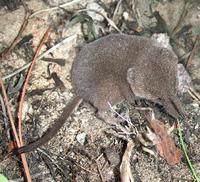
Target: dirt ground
{"points": [[86, 148]]}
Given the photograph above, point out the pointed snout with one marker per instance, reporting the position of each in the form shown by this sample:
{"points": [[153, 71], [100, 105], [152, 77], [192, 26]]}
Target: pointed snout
{"points": [[174, 108]]}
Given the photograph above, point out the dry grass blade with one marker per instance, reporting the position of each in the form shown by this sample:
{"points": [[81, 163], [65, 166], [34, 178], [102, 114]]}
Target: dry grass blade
{"points": [[117, 9], [66, 40], [125, 167], [189, 61], [13, 44], [52, 161], [181, 18], [98, 167], [55, 8], [194, 94]]}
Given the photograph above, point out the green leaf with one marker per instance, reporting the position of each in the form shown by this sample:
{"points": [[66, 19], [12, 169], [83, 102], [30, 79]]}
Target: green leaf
{"points": [[3, 178], [79, 18]]}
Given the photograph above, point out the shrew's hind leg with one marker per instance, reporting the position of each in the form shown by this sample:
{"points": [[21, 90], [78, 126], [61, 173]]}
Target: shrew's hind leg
{"points": [[105, 93]]}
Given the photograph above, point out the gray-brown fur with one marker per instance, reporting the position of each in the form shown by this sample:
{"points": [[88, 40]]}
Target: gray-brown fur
{"points": [[118, 67], [126, 66]]}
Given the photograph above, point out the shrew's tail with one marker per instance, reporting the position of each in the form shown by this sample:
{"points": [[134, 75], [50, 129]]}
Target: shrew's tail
{"points": [[53, 130]]}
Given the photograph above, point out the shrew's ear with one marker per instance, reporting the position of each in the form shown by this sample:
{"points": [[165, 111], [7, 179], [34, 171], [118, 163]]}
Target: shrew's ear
{"points": [[130, 75]]}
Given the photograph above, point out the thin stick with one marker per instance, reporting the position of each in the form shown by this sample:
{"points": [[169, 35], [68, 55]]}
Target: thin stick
{"points": [[87, 170], [194, 94], [68, 39], [116, 9], [9, 112], [55, 8], [45, 37], [5, 118], [189, 61], [23, 157], [23, 26], [112, 109], [52, 161], [181, 17], [100, 172]]}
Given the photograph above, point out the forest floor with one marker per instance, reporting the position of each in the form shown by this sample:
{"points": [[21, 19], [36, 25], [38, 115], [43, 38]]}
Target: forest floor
{"points": [[87, 148]]}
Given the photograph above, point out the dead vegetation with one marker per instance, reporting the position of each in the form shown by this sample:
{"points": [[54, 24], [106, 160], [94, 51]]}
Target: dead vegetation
{"points": [[87, 149]]}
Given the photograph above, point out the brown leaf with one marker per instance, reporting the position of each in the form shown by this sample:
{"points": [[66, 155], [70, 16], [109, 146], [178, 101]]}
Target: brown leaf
{"points": [[164, 143]]}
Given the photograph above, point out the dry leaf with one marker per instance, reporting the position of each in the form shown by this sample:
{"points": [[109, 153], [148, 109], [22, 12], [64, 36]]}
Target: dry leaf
{"points": [[164, 143]]}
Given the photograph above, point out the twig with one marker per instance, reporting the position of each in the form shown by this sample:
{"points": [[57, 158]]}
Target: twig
{"points": [[117, 8], [87, 170], [13, 44], [189, 61], [117, 134], [194, 94], [114, 122], [45, 37], [98, 168], [52, 160], [5, 118], [115, 14], [23, 157], [185, 56], [125, 119], [3, 107], [55, 8], [125, 167], [183, 14], [68, 39], [128, 120]]}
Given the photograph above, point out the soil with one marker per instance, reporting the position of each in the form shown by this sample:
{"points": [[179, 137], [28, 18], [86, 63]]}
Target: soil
{"points": [[87, 148]]}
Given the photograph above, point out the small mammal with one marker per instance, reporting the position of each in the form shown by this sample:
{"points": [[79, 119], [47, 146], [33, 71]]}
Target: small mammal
{"points": [[118, 67]]}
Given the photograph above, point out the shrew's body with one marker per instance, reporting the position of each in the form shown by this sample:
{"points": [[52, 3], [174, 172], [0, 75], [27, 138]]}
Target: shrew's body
{"points": [[118, 67]]}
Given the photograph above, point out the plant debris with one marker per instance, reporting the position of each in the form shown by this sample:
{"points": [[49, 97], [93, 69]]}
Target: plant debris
{"points": [[105, 151], [164, 143]]}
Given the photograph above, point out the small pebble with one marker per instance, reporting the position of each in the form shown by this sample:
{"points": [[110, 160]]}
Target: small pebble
{"points": [[126, 15], [81, 138]]}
